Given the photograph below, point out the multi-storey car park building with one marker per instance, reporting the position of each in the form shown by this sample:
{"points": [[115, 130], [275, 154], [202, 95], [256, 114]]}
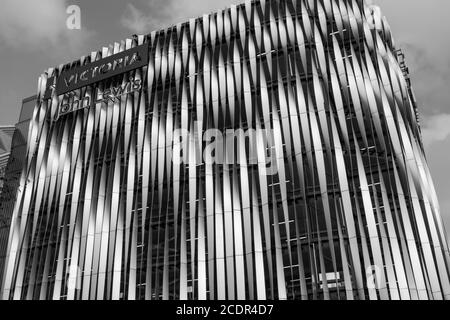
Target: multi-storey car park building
{"points": [[345, 208]]}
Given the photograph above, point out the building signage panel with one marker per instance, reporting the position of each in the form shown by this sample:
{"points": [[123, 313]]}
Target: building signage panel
{"points": [[109, 95], [100, 70]]}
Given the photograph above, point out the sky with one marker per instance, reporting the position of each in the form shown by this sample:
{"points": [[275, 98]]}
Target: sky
{"points": [[34, 36]]}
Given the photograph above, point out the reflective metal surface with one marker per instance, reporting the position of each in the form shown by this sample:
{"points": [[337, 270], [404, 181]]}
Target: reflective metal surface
{"points": [[350, 211]]}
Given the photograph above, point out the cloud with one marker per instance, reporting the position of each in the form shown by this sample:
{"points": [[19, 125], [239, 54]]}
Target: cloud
{"points": [[422, 34], [135, 20], [436, 128], [429, 70], [38, 25], [160, 14]]}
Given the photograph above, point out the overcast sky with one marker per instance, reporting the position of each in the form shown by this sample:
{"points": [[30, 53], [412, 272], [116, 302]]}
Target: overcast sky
{"points": [[34, 37]]}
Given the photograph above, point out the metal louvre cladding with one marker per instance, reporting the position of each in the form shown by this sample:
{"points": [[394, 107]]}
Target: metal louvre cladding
{"points": [[350, 211]]}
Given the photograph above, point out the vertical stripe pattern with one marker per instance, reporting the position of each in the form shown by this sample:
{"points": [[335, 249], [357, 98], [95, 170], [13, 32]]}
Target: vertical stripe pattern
{"points": [[346, 208]]}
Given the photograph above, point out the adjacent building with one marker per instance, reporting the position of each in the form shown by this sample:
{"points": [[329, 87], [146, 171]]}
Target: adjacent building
{"points": [[6, 134], [12, 170], [268, 151]]}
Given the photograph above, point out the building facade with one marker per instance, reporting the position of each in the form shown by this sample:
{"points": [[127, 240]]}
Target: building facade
{"points": [[6, 134], [13, 168], [6, 137], [133, 188]]}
